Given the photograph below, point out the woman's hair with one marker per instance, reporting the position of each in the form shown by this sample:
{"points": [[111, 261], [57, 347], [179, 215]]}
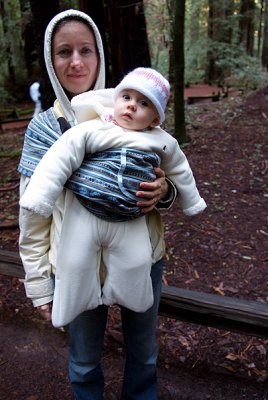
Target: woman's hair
{"points": [[67, 19]]}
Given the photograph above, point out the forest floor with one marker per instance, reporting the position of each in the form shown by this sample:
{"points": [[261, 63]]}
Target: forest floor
{"points": [[223, 251]]}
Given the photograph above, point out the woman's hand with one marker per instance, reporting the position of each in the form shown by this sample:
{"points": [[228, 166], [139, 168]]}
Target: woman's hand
{"points": [[45, 311], [152, 191]]}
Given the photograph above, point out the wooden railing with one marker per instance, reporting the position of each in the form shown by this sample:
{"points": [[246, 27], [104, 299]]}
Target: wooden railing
{"points": [[223, 312], [14, 114], [193, 99]]}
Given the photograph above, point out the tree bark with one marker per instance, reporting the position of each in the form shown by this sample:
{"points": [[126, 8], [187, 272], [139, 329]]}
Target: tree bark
{"points": [[95, 9], [126, 34], [41, 17], [260, 27], [178, 71], [265, 37], [246, 25], [11, 71]]}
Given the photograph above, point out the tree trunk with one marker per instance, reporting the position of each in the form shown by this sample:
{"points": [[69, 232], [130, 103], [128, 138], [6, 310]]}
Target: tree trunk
{"points": [[210, 70], [11, 80], [260, 29], [30, 52], [127, 37], [219, 37], [246, 25], [41, 17], [178, 71], [229, 12], [265, 38], [194, 22], [95, 9], [214, 18]]}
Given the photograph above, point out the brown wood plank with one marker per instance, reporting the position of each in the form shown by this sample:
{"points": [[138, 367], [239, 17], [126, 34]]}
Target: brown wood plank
{"points": [[223, 312], [11, 270], [214, 97], [10, 264]]}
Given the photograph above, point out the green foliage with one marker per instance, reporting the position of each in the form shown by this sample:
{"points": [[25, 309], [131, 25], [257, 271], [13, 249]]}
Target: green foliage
{"points": [[5, 95], [195, 61], [233, 64], [236, 67], [11, 154], [158, 31], [12, 52], [66, 4], [247, 74]]}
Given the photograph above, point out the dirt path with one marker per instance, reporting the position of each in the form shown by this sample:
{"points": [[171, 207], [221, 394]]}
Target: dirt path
{"points": [[34, 366]]}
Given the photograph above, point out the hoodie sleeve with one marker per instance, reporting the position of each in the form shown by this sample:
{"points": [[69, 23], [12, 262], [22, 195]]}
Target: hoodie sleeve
{"points": [[34, 244]]}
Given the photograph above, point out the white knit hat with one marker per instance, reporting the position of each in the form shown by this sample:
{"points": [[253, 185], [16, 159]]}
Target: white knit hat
{"points": [[151, 84]]}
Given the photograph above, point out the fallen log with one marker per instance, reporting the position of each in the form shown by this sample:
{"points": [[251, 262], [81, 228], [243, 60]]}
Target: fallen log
{"points": [[9, 114], [223, 312], [10, 264]]}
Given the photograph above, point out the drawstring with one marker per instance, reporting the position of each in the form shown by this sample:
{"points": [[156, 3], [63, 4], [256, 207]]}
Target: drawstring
{"points": [[121, 173]]}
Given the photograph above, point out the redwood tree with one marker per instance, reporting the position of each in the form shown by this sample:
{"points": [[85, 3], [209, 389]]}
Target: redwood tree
{"points": [[95, 9], [41, 17], [127, 37], [265, 38], [178, 70], [247, 11], [11, 71]]}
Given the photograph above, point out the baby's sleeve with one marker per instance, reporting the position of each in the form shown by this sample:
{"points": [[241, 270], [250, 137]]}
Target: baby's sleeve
{"points": [[180, 173], [64, 156]]}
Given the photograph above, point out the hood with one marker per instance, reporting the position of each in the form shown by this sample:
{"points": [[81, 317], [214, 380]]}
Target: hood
{"points": [[58, 89]]}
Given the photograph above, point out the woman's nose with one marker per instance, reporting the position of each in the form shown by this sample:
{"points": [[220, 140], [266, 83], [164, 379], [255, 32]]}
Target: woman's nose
{"points": [[76, 60]]}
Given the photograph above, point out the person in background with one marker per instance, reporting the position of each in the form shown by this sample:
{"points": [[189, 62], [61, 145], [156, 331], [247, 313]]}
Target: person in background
{"points": [[75, 64], [125, 144], [35, 95]]}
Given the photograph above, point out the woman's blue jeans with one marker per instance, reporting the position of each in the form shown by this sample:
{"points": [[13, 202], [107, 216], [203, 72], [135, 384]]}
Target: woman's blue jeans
{"points": [[86, 336]]}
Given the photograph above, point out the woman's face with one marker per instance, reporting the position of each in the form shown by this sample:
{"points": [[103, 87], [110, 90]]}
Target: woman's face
{"points": [[75, 57]]}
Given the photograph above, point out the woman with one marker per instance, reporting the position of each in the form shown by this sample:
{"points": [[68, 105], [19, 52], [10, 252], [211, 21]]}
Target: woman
{"points": [[75, 64]]}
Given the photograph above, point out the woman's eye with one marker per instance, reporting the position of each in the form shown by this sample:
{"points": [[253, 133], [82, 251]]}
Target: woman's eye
{"points": [[63, 52], [86, 50]]}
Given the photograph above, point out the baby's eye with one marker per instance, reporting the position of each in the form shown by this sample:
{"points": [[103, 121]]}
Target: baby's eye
{"points": [[126, 97], [144, 103]]}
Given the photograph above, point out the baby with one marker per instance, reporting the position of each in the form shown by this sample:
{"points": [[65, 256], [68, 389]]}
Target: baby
{"points": [[123, 144]]}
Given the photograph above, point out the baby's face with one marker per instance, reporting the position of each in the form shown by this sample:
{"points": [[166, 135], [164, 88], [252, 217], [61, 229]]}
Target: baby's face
{"points": [[134, 111]]}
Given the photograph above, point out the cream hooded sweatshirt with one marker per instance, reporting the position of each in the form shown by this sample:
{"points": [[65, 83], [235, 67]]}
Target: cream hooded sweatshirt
{"points": [[45, 244]]}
